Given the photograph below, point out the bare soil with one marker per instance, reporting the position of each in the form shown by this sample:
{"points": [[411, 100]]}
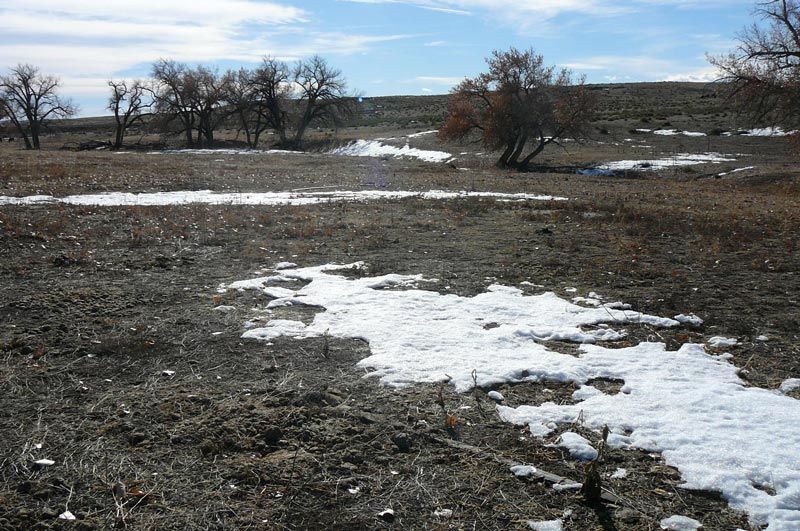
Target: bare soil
{"points": [[96, 303]]}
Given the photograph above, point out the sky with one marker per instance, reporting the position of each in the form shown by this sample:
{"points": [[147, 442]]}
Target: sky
{"points": [[383, 47]]}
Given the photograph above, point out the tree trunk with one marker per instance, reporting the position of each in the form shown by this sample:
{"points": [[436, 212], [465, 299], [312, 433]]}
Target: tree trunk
{"points": [[119, 135], [502, 162], [523, 165], [521, 141]]}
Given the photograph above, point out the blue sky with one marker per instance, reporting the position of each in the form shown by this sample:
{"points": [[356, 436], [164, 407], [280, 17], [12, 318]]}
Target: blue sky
{"points": [[382, 46]]}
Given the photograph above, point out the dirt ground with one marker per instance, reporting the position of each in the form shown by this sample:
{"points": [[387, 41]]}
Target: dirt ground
{"points": [[97, 303]]}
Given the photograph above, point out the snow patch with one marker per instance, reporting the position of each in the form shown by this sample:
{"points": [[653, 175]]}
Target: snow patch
{"points": [[578, 447], [259, 198], [789, 385], [680, 159], [722, 342], [373, 148], [690, 319], [680, 523], [546, 525], [523, 471]]}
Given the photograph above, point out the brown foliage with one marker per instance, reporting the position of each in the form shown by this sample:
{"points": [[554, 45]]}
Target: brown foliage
{"points": [[519, 104]]}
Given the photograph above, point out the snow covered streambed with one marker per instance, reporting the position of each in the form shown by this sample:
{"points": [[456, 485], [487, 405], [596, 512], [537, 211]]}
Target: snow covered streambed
{"points": [[687, 404], [258, 198]]}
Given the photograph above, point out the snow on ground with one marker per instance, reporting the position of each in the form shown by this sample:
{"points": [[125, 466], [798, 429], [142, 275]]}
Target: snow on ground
{"points": [[722, 342], [546, 525], [423, 133], [373, 148], [687, 404], [790, 385], [257, 198], [737, 170], [680, 159], [220, 152], [768, 131], [674, 132], [680, 523], [578, 447]]}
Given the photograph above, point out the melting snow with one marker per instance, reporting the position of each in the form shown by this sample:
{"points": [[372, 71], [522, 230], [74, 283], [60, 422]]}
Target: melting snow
{"points": [[680, 159], [674, 132], [373, 148], [545, 525], [423, 133], [790, 385], [689, 405], [680, 523], [578, 447], [257, 198], [722, 342], [220, 152]]}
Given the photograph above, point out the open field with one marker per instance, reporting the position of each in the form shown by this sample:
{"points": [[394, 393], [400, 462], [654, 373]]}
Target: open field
{"points": [[123, 361]]}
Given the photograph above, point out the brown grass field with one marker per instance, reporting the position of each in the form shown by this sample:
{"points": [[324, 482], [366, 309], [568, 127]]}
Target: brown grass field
{"points": [[95, 302]]}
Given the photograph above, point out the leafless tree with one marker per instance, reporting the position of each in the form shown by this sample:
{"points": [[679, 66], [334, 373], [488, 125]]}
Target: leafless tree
{"points": [[272, 90], [29, 99], [321, 96], [519, 104], [206, 100], [131, 103], [763, 72], [172, 94]]}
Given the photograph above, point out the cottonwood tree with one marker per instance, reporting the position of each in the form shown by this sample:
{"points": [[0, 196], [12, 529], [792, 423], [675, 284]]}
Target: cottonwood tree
{"points": [[763, 72], [260, 99], [321, 97], [190, 97], [520, 106], [29, 99], [131, 103], [172, 94]]}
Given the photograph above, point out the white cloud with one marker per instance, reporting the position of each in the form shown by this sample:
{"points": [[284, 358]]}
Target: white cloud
{"points": [[438, 80]]}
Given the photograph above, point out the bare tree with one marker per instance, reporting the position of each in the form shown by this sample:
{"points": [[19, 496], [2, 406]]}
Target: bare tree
{"points": [[206, 100], [272, 89], [519, 104], [763, 72], [130, 102], [30, 98], [172, 95], [321, 97]]}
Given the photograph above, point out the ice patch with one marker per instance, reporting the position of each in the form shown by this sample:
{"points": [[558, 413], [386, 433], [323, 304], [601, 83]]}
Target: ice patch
{"points": [[259, 198], [276, 328], [373, 148]]}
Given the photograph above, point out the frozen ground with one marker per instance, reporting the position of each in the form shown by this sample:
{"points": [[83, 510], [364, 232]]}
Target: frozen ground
{"points": [[257, 198], [687, 404]]}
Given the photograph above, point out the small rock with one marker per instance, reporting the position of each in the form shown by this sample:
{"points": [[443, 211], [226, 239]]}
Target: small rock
{"points": [[66, 515], [402, 441]]}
